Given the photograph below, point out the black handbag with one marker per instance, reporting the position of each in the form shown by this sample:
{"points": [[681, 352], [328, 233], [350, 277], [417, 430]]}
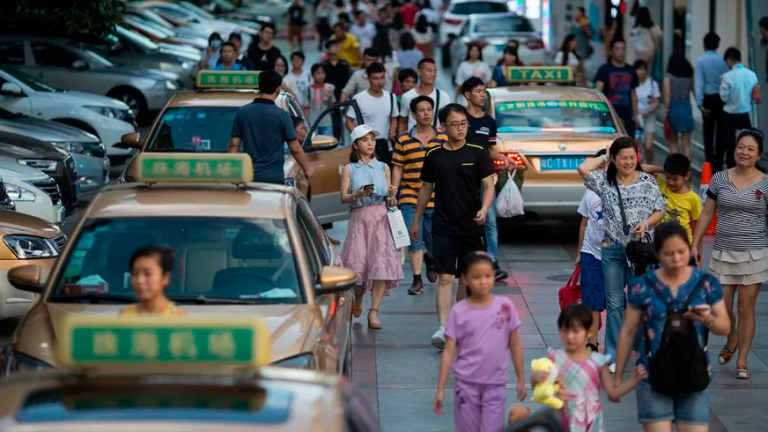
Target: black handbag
{"points": [[638, 252]]}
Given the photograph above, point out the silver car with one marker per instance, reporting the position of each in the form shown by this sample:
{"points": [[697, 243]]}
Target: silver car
{"points": [[88, 152], [66, 66]]}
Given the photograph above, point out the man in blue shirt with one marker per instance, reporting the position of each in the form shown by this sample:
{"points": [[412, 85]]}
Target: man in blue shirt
{"points": [[618, 80], [710, 68], [228, 58], [736, 89], [262, 128]]}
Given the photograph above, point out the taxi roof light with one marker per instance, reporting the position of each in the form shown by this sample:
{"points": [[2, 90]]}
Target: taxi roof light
{"points": [[236, 168], [540, 74], [208, 79]]}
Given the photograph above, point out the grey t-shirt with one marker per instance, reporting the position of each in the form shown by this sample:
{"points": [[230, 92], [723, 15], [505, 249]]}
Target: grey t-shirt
{"points": [[264, 129]]}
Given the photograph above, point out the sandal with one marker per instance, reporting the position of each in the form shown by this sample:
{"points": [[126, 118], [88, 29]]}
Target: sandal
{"points": [[725, 355], [375, 325], [742, 372], [357, 306]]}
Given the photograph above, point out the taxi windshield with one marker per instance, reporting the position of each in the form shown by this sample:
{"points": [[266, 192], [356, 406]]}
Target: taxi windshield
{"points": [[193, 129], [580, 117], [218, 260]]}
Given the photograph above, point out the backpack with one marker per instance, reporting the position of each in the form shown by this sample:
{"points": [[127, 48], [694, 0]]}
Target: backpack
{"points": [[680, 365]]}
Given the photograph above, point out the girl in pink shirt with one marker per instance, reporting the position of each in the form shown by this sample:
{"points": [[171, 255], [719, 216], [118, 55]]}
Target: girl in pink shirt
{"points": [[482, 332]]}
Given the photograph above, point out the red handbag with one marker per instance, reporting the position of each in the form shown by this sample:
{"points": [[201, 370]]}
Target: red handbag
{"points": [[571, 293]]}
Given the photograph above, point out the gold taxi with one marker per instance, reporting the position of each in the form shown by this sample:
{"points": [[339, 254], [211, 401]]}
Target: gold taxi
{"points": [[201, 121], [158, 374], [249, 249], [550, 129]]}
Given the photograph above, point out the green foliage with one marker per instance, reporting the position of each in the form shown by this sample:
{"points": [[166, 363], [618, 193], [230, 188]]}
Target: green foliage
{"points": [[74, 16]]}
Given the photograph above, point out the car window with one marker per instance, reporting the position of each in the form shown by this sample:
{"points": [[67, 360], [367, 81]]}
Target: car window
{"points": [[171, 12], [537, 116], [199, 129], [225, 258], [129, 36], [26, 79], [12, 53], [467, 8], [50, 55], [309, 242], [318, 233], [502, 24]]}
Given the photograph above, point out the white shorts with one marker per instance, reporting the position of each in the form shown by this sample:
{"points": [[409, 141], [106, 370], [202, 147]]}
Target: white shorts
{"points": [[649, 124]]}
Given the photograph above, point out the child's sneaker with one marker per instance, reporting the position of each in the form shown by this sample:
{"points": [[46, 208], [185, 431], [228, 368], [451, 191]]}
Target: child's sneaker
{"points": [[438, 339]]}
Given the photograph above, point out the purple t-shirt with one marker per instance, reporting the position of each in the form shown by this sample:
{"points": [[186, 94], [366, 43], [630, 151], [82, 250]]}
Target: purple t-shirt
{"points": [[482, 340]]}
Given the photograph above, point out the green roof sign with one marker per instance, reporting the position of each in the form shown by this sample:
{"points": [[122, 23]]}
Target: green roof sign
{"points": [[140, 340], [227, 79], [511, 106], [540, 74], [190, 168]]}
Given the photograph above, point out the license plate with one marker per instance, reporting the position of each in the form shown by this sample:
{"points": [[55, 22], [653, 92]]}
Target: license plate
{"points": [[559, 163]]}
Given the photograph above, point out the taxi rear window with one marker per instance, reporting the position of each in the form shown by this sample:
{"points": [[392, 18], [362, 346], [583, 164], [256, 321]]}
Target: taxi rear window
{"points": [[157, 403], [217, 260], [583, 117], [193, 129]]}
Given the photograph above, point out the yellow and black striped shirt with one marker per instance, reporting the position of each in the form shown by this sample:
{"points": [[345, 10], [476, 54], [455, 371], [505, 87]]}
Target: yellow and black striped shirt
{"points": [[410, 153]]}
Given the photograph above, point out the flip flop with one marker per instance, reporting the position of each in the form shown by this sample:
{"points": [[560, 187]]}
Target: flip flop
{"points": [[742, 372], [725, 355]]}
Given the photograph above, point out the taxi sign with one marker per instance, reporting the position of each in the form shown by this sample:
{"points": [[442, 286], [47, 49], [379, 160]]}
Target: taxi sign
{"points": [[227, 79], [192, 168], [163, 341], [540, 74]]}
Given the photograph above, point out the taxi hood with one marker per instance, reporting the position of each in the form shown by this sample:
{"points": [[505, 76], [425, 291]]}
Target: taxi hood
{"points": [[551, 141]]}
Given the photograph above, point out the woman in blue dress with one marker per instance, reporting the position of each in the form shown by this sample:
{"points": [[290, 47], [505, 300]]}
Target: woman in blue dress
{"points": [[500, 74]]}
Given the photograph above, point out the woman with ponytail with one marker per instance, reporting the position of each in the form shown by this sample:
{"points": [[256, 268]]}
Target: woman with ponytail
{"points": [[632, 206]]}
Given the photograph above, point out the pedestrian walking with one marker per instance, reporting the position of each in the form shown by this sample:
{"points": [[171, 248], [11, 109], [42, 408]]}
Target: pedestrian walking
{"points": [[740, 256], [360, 82], [323, 15], [281, 66], [591, 236], [423, 35], [632, 206], [299, 79], [709, 70], [408, 11], [512, 43], [369, 249], [210, 56], [427, 71], [296, 23], [262, 128], [618, 81], [263, 54], [582, 29], [582, 373], [408, 56], [676, 305], [646, 37], [337, 73], [648, 100], [482, 335], [363, 30], [408, 78], [151, 271], [228, 59], [349, 46], [567, 55], [456, 171], [320, 98], [396, 31], [678, 88], [501, 71], [736, 88], [472, 66], [379, 110], [411, 148], [237, 41]]}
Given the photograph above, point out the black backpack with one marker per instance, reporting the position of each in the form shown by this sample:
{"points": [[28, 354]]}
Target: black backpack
{"points": [[680, 365]]}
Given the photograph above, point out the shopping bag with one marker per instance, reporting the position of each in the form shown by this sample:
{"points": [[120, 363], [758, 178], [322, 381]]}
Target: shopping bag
{"points": [[400, 233], [571, 293], [509, 203]]}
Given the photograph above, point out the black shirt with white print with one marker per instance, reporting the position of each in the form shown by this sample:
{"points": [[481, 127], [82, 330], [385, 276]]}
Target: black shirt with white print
{"points": [[482, 130]]}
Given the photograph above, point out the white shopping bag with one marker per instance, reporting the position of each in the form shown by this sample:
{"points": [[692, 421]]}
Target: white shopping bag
{"points": [[399, 231], [509, 203]]}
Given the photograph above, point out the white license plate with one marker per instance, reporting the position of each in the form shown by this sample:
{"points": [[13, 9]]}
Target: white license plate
{"points": [[561, 163]]}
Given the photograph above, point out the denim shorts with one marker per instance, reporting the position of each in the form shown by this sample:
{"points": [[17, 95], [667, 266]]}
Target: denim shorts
{"points": [[425, 231], [653, 407]]}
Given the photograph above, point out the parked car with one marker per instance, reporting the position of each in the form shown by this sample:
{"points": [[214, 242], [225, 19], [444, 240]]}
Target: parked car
{"points": [[181, 28], [251, 25], [226, 10], [106, 118], [91, 161], [455, 17], [65, 66], [46, 157], [33, 192], [161, 35]]}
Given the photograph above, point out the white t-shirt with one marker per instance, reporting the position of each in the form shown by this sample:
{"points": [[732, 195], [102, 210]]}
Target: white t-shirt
{"points": [[364, 34], [468, 70], [591, 207], [376, 110], [405, 108], [299, 85], [645, 92], [573, 61]]}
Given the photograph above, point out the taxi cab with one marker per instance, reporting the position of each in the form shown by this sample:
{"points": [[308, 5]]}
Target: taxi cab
{"points": [[550, 129], [201, 121], [250, 249], [167, 374]]}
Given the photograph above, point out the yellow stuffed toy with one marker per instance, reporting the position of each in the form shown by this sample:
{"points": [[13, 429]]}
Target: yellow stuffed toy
{"points": [[545, 392]]}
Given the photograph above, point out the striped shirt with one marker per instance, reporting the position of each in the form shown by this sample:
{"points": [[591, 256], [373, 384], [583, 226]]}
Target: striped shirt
{"points": [[740, 214], [409, 153]]}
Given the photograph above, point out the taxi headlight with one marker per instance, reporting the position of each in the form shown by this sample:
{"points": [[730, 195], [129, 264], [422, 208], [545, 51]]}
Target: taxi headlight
{"points": [[18, 193], [15, 362], [28, 247], [301, 361]]}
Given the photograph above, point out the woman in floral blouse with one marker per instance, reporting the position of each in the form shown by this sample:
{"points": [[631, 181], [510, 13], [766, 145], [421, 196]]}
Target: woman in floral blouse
{"points": [[643, 208]]}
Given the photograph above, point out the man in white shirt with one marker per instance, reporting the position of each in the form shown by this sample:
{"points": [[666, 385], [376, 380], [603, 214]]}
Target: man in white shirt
{"points": [[379, 109], [363, 29], [737, 88], [427, 71]]}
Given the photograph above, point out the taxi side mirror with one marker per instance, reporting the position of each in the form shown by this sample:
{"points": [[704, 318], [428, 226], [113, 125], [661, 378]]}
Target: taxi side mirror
{"points": [[323, 142], [26, 278], [335, 279], [130, 141]]}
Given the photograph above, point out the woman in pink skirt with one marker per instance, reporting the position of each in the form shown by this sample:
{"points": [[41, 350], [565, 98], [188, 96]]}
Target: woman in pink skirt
{"points": [[369, 249]]}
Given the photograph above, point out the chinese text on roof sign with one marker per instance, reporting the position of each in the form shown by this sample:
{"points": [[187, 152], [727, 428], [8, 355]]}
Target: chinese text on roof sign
{"points": [[186, 168], [540, 74], [509, 106], [227, 79]]}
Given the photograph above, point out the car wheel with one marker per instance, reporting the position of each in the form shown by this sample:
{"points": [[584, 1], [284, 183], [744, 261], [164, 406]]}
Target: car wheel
{"points": [[346, 368], [133, 99], [446, 49]]}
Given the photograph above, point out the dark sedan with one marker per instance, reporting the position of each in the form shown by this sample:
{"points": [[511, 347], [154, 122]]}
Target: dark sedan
{"points": [[47, 158]]}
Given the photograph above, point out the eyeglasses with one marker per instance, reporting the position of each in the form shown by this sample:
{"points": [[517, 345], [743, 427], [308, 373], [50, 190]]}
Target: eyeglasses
{"points": [[459, 125]]}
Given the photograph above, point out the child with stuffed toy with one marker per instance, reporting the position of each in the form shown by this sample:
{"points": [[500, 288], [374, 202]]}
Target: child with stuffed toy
{"points": [[482, 332], [582, 372]]}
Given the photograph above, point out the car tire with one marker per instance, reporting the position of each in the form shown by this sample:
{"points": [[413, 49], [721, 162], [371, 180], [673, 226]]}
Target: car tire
{"points": [[446, 55], [134, 99], [346, 367]]}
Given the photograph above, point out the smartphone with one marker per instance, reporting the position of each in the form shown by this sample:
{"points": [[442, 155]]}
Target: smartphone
{"points": [[368, 187]]}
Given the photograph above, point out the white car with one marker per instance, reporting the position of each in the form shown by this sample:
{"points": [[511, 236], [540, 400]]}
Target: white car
{"points": [[106, 118], [454, 18], [34, 192]]}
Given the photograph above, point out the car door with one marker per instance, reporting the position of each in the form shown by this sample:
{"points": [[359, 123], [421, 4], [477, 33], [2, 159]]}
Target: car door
{"points": [[327, 157], [12, 54], [57, 66]]}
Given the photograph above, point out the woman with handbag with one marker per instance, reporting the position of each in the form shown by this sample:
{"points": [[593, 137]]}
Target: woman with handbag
{"points": [[632, 206]]}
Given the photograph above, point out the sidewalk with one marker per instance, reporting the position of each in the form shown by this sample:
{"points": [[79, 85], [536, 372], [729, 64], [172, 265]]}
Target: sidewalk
{"points": [[396, 368]]}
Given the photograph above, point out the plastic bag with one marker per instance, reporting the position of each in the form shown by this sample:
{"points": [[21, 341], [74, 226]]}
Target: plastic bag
{"points": [[509, 203]]}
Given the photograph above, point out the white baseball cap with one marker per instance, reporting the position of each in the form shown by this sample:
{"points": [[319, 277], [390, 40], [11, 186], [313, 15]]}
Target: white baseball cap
{"points": [[362, 131]]}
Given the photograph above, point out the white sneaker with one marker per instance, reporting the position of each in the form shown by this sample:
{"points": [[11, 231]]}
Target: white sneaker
{"points": [[612, 368], [438, 339]]}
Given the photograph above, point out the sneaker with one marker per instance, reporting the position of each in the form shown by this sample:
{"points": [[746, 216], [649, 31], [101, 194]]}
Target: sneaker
{"points": [[500, 274], [612, 368], [438, 339], [417, 287], [431, 274]]}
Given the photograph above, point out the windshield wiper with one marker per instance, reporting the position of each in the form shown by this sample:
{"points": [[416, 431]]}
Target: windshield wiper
{"points": [[92, 297], [203, 300]]}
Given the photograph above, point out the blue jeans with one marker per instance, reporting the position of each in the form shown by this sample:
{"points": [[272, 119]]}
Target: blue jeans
{"points": [[692, 408], [425, 231], [617, 273], [492, 231]]}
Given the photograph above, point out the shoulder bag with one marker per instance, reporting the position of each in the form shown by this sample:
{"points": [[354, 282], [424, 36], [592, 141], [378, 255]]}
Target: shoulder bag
{"points": [[638, 252]]}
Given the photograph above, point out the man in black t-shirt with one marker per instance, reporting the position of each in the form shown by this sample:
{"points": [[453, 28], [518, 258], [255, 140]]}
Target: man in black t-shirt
{"points": [[337, 72], [261, 51], [457, 172], [295, 24]]}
